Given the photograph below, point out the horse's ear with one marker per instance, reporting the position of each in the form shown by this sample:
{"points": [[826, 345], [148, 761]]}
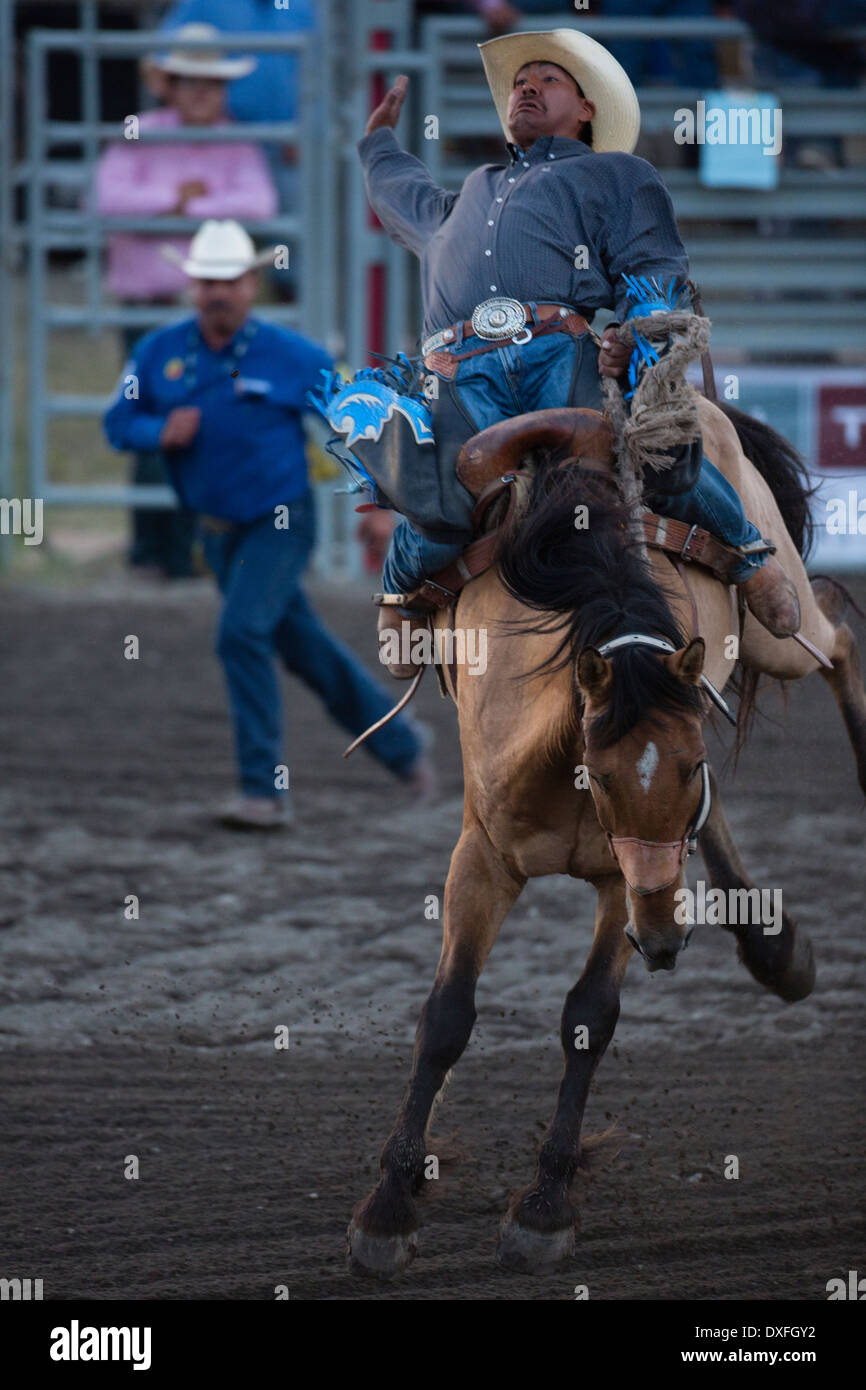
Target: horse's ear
{"points": [[688, 663], [594, 675]]}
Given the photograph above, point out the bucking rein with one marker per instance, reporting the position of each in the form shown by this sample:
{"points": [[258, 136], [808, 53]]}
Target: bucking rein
{"points": [[683, 543]]}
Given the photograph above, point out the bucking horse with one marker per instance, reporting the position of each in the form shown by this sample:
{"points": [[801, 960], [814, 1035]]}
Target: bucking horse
{"points": [[605, 656]]}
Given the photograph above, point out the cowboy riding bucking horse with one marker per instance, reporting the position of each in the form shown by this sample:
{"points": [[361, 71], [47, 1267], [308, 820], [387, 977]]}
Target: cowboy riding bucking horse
{"points": [[513, 270], [553, 489]]}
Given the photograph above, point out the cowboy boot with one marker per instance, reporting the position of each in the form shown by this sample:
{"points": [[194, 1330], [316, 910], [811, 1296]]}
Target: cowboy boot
{"points": [[397, 627], [772, 599]]}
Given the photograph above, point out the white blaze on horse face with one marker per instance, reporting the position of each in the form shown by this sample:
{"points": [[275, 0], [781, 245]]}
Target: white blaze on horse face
{"points": [[647, 764]]}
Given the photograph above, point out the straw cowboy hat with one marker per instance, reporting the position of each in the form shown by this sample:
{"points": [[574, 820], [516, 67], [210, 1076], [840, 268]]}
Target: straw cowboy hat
{"points": [[602, 79], [219, 251], [202, 62]]}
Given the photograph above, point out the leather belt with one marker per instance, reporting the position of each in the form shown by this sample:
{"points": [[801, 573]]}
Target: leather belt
{"points": [[512, 327], [446, 364]]}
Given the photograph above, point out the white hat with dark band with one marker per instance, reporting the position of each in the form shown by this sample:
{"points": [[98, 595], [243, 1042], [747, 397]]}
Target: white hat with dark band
{"points": [[202, 62], [219, 251], [603, 80]]}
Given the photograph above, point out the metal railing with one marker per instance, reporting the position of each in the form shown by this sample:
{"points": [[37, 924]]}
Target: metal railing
{"points": [[357, 285], [79, 228], [7, 223]]}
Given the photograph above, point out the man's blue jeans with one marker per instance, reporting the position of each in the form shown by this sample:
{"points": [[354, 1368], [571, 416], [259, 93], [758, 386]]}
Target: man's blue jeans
{"points": [[554, 370], [550, 371], [259, 568]]}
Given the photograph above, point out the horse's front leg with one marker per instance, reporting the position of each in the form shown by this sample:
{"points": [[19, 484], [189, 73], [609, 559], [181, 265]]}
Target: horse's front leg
{"points": [[539, 1227], [479, 892]]}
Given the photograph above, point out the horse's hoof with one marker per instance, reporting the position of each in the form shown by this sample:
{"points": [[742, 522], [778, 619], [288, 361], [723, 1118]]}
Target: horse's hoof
{"points": [[798, 981], [382, 1256], [523, 1249]]}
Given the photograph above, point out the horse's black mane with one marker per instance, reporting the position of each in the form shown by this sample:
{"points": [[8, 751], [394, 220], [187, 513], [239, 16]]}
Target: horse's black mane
{"points": [[600, 582], [598, 579]]}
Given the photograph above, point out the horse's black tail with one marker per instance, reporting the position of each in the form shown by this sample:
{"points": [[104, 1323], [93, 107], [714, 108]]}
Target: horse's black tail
{"points": [[782, 468], [784, 471]]}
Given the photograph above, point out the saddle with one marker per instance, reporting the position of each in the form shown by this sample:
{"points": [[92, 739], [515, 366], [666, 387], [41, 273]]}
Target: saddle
{"points": [[492, 464], [492, 467]]}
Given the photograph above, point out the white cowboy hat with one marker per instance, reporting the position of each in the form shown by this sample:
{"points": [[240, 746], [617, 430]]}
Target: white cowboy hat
{"points": [[202, 62], [219, 251], [616, 124]]}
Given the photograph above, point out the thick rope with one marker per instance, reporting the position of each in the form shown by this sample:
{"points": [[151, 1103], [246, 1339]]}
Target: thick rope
{"points": [[664, 407], [664, 412]]}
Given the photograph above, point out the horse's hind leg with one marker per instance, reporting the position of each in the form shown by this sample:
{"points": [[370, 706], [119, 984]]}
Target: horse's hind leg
{"points": [[845, 680], [479, 892], [782, 962], [539, 1227]]}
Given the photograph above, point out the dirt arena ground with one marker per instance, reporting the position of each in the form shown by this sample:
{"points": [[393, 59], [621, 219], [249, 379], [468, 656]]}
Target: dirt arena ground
{"points": [[154, 1037]]}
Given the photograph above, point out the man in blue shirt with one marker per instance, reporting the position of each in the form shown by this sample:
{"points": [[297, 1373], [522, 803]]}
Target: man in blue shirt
{"points": [[222, 394]]}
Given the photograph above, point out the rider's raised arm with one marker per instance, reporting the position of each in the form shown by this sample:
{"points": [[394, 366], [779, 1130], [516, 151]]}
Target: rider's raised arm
{"points": [[639, 235], [407, 201]]}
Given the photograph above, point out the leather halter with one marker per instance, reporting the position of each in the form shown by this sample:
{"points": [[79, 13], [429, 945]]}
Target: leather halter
{"points": [[664, 855]]}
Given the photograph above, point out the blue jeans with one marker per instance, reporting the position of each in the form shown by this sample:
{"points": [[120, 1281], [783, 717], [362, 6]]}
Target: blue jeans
{"points": [[715, 505], [555, 370], [258, 569], [547, 372]]}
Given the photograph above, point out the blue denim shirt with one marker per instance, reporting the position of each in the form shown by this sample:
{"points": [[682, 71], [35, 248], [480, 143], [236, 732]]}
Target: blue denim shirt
{"points": [[520, 229]]}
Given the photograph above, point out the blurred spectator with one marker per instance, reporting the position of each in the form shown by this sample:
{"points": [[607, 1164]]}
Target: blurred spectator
{"points": [[794, 40], [797, 47], [272, 93], [135, 179], [230, 422], [690, 63], [498, 15], [680, 62]]}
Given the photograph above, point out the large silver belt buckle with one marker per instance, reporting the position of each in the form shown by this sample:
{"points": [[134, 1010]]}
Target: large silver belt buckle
{"points": [[498, 318]]}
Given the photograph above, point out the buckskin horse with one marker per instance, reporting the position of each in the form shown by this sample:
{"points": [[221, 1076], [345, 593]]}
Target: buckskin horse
{"points": [[563, 691]]}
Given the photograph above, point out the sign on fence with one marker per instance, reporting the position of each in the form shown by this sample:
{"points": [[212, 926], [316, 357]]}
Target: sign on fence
{"points": [[823, 414]]}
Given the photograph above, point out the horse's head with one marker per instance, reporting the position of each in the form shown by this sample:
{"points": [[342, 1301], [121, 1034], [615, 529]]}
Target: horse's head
{"points": [[650, 786]]}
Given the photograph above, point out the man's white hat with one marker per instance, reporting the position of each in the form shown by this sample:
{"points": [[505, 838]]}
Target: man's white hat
{"points": [[219, 251], [202, 62], [616, 124]]}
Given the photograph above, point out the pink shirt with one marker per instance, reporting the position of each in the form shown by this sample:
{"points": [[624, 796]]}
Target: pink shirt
{"points": [[135, 180]]}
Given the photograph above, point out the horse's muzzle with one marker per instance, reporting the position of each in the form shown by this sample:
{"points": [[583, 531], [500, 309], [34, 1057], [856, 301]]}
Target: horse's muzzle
{"points": [[658, 954], [648, 866]]}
